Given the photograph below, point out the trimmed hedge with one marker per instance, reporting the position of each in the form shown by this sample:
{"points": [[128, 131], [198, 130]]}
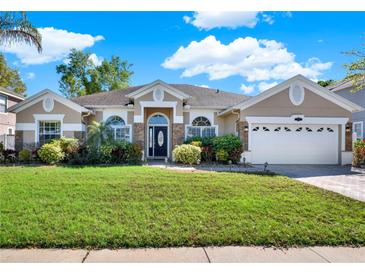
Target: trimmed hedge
{"points": [[187, 154]]}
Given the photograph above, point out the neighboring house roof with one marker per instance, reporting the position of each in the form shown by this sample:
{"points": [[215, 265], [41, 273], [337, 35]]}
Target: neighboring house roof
{"points": [[314, 87], [196, 97], [339, 85], [11, 93], [38, 97]]}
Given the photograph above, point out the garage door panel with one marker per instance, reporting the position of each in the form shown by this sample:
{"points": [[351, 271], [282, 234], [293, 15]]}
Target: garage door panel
{"points": [[294, 144]]}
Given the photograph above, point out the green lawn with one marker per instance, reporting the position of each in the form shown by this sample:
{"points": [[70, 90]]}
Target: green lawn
{"points": [[139, 207]]}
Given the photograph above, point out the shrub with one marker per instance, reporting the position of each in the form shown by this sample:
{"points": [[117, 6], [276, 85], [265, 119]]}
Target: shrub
{"points": [[359, 153], [205, 141], [8, 156], [24, 155], [69, 145], [51, 153], [121, 152], [134, 154], [1, 147], [207, 154], [187, 154], [196, 143], [222, 155], [106, 153], [229, 143]]}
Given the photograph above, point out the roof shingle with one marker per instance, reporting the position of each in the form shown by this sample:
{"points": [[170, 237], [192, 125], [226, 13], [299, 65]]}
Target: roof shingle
{"points": [[200, 96]]}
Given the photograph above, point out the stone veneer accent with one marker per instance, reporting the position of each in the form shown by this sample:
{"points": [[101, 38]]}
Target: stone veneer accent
{"points": [[348, 137], [243, 134], [138, 134], [178, 134]]}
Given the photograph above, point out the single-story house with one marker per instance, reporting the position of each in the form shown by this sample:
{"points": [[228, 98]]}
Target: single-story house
{"points": [[295, 122], [345, 89]]}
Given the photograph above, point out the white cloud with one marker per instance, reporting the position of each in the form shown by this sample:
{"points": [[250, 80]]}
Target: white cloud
{"points": [[268, 19], [56, 45], [247, 89], [288, 14], [95, 59], [254, 60], [30, 75], [264, 86], [210, 19], [203, 86]]}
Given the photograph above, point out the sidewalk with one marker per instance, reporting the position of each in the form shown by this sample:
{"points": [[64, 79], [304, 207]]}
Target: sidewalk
{"points": [[229, 254]]}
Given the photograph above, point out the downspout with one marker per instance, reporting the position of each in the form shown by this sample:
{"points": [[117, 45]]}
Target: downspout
{"points": [[238, 119]]}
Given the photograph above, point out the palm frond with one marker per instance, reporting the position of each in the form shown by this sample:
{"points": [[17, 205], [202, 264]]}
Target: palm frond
{"points": [[19, 30]]}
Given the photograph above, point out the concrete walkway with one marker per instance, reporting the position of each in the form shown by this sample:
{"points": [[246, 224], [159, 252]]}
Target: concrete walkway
{"points": [[229, 254]]}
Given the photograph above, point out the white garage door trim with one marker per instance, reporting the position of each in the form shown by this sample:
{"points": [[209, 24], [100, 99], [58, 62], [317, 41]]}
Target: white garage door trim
{"points": [[314, 148], [294, 144]]}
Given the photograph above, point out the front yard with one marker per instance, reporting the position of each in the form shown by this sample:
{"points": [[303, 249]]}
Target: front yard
{"points": [[140, 206]]}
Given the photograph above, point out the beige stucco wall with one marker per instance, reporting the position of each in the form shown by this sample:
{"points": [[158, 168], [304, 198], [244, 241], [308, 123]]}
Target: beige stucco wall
{"points": [[280, 105], [69, 134], [28, 136], [26, 115]]}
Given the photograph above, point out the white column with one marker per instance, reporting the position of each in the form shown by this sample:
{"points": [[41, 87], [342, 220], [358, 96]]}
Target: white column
{"points": [[343, 137]]}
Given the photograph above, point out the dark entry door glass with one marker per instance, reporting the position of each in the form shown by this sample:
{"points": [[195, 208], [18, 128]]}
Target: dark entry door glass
{"points": [[160, 141]]}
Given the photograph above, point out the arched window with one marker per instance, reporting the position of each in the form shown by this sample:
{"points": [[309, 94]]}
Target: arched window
{"points": [[158, 119], [115, 121], [119, 128], [201, 121], [201, 127]]}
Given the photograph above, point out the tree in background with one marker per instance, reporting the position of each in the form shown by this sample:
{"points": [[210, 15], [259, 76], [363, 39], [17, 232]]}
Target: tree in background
{"points": [[325, 83], [80, 76], [10, 78], [15, 28], [356, 69]]}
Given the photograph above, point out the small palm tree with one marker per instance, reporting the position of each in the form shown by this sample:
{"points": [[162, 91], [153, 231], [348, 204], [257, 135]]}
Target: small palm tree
{"points": [[99, 134], [15, 28]]}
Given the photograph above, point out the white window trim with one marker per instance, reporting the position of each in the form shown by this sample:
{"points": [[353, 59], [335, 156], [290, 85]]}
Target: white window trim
{"points": [[187, 126], [361, 126], [122, 114], [47, 117]]}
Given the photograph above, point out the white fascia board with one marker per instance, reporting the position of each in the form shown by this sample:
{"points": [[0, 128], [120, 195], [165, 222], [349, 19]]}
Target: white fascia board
{"points": [[146, 89], [290, 120], [49, 117], [11, 95], [313, 87], [39, 96]]}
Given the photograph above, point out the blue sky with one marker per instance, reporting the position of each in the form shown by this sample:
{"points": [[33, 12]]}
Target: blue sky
{"points": [[241, 52]]}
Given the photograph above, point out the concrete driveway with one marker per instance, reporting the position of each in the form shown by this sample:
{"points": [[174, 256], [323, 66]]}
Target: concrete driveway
{"points": [[345, 180]]}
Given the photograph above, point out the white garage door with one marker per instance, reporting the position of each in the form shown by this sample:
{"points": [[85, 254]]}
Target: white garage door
{"points": [[294, 144]]}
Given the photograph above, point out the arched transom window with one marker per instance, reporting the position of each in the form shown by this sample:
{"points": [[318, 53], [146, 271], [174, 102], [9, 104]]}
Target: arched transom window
{"points": [[201, 127], [158, 119], [201, 121], [119, 128]]}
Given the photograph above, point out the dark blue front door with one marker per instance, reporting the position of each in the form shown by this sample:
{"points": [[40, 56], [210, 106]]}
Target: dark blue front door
{"points": [[158, 141]]}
